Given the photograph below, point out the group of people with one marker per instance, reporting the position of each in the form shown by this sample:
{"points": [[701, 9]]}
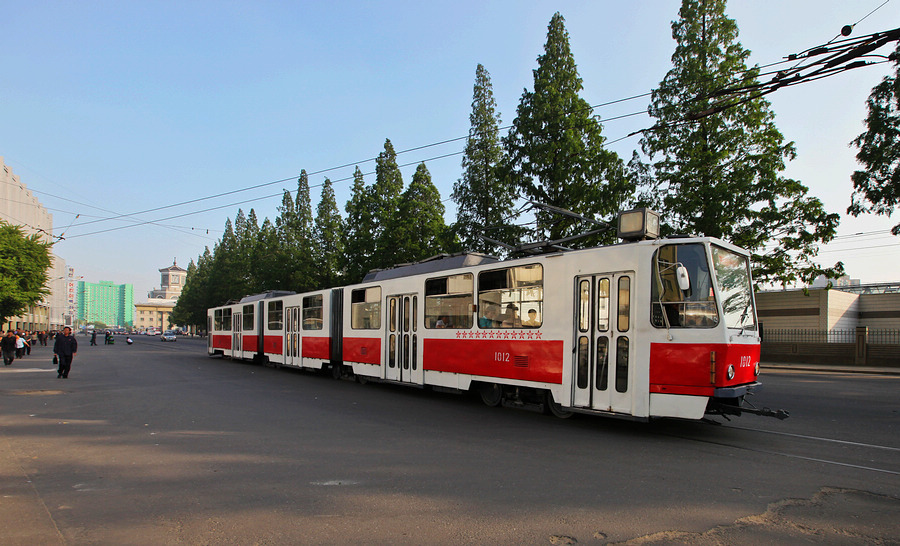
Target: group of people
{"points": [[17, 344], [493, 318], [107, 340]]}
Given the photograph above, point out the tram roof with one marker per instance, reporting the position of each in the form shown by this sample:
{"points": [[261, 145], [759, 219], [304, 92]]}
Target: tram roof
{"points": [[267, 295], [441, 262]]}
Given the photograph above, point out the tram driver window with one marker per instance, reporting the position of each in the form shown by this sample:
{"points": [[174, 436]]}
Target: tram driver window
{"points": [[365, 308], [448, 301], [693, 308], [511, 298]]}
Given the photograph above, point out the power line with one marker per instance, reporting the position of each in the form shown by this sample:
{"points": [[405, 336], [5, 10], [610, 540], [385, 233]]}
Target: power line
{"points": [[838, 61]]}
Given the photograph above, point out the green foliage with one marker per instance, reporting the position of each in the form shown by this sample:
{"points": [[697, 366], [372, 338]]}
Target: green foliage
{"points": [[877, 187], [328, 236], [720, 175], [421, 233], [385, 198], [484, 197], [359, 231], [190, 309], [24, 262], [555, 146]]}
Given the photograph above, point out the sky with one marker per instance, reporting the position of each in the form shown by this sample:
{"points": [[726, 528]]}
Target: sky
{"points": [[156, 121]]}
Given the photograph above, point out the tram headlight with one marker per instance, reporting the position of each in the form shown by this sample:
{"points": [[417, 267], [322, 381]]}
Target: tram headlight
{"points": [[730, 372], [756, 370]]}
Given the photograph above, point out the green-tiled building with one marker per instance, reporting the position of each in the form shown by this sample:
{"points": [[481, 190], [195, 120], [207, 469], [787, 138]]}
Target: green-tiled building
{"points": [[112, 304]]}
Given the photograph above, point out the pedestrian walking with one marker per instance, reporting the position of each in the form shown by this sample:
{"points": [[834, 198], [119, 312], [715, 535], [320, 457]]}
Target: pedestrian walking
{"points": [[65, 348], [94, 337], [20, 345], [8, 347]]}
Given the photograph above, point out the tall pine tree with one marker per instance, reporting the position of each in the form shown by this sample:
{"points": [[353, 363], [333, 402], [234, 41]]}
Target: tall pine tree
{"points": [[555, 146], [385, 196], [422, 233], [484, 198], [359, 231], [328, 234], [720, 175]]}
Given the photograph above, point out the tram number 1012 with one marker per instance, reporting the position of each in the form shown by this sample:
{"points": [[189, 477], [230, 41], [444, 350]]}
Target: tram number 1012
{"points": [[501, 357]]}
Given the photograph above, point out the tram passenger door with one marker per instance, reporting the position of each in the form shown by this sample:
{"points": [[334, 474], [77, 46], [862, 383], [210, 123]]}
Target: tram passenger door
{"points": [[236, 322], [402, 343], [604, 344], [292, 337]]}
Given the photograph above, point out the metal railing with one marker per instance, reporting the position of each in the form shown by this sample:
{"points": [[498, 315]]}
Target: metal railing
{"points": [[876, 336]]}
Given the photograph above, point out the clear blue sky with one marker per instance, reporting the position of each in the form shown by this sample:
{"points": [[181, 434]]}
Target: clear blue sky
{"points": [[111, 108]]}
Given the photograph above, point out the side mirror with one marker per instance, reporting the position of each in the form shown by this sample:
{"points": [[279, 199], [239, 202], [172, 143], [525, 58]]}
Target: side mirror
{"points": [[684, 280]]}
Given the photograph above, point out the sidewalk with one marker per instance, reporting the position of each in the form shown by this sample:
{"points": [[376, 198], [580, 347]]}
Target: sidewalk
{"points": [[835, 368]]}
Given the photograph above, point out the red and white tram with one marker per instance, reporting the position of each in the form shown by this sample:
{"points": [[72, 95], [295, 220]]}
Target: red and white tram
{"points": [[652, 328]]}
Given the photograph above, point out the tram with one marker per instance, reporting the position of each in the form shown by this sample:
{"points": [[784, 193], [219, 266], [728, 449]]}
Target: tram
{"points": [[641, 329]]}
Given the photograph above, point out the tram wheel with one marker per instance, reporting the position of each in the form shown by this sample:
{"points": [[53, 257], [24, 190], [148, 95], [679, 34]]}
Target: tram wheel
{"points": [[491, 394], [555, 408]]}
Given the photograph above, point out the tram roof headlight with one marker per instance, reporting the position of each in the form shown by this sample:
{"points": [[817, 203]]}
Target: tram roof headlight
{"points": [[638, 224]]}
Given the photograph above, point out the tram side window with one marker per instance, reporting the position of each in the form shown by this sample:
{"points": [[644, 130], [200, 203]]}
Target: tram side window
{"points": [[248, 318], [507, 295], [692, 308], [365, 308], [312, 312], [276, 315], [223, 320], [448, 301]]}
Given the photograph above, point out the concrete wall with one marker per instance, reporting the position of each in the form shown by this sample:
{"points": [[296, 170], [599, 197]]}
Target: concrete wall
{"points": [[791, 309], [820, 309], [879, 310]]}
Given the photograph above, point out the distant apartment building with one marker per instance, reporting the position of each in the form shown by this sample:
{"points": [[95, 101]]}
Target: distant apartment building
{"points": [[106, 302], [19, 207]]}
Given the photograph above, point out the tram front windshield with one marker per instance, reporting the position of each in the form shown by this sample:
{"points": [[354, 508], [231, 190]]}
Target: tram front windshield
{"points": [[735, 290], [727, 281]]}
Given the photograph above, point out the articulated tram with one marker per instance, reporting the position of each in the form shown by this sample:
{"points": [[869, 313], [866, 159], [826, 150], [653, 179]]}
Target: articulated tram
{"points": [[641, 329]]}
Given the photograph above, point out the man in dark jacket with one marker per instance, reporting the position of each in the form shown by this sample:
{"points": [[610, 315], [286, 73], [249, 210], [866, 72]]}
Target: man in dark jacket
{"points": [[65, 349], [8, 347]]}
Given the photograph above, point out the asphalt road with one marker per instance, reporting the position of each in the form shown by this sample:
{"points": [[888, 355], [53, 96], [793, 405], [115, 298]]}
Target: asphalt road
{"points": [[156, 443]]}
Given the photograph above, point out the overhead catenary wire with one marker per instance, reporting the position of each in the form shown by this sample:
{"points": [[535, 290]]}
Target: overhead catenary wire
{"points": [[456, 139]]}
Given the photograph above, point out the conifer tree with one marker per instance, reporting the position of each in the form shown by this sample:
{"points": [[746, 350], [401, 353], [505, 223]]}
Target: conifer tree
{"points": [[555, 146], [484, 197], [386, 200], [329, 239], [268, 260], [194, 300], [301, 267], [359, 231], [720, 175], [422, 233], [877, 186], [224, 275]]}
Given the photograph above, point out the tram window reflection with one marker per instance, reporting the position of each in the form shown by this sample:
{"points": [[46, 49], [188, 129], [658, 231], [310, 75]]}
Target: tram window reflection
{"points": [[504, 295]]}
